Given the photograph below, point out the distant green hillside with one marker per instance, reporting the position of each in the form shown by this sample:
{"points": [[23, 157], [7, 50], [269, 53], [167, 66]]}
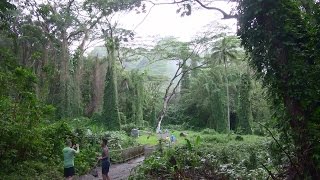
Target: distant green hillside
{"points": [[163, 68]]}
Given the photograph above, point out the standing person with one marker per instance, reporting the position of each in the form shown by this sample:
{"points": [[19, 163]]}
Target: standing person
{"points": [[68, 159], [172, 138], [105, 160]]}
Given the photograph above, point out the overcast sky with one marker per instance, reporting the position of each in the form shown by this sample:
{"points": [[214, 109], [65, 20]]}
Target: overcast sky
{"points": [[164, 21]]}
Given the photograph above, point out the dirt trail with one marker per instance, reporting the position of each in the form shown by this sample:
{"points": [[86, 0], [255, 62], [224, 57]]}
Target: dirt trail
{"points": [[117, 171]]}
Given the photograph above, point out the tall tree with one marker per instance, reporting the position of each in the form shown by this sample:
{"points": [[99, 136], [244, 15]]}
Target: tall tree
{"points": [[111, 104], [223, 52], [206, 95], [170, 49], [282, 38], [244, 113], [48, 29]]}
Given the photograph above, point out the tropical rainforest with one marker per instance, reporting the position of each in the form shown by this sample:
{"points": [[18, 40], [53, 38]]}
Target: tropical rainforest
{"points": [[243, 104]]}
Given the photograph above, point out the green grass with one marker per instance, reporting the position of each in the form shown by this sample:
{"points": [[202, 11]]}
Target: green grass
{"points": [[207, 138], [153, 139]]}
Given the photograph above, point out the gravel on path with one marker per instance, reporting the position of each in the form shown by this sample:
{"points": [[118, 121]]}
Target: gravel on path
{"points": [[117, 171]]}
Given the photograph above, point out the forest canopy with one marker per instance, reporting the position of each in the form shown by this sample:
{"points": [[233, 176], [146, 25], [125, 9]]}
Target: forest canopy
{"points": [[71, 70]]}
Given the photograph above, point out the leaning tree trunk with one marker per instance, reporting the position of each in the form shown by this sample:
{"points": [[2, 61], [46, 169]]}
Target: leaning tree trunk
{"points": [[168, 95]]}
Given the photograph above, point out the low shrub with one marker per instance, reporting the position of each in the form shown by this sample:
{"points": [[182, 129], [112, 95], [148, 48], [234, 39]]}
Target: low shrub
{"points": [[239, 138], [208, 131], [229, 160], [128, 127]]}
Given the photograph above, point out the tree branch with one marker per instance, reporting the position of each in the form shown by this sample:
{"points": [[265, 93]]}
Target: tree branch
{"points": [[145, 17], [225, 15], [69, 5], [168, 96], [269, 172], [167, 3], [280, 146], [74, 33]]}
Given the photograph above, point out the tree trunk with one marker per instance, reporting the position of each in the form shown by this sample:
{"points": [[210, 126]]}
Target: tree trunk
{"points": [[306, 165], [97, 86], [168, 95], [228, 98], [111, 103], [162, 113], [79, 73], [64, 78]]}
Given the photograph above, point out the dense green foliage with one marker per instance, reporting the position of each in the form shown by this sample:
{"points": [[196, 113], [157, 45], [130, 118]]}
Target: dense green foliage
{"points": [[32, 138], [110, 114], [210, 157], [223, 84], [244, 105], [281, 38], [53, 89], [21, 116]]}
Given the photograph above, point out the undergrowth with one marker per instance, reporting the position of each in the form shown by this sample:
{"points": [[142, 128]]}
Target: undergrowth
{"points": [[209, 155]]}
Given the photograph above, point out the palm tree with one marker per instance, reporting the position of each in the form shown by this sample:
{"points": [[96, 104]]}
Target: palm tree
{"points": [[223, 52]]}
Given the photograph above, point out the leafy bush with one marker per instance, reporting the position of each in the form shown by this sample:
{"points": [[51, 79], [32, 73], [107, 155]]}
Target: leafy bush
{"points": [[217, 139], [228, 160], [258, 130], [177, 127], [239, 138], [128, 127], [208, 131], [31, 170], [21, 123], [118, 139]]}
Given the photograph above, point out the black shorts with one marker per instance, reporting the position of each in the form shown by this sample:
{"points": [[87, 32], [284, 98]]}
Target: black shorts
{"points": [[105, 166], [68, 172]]}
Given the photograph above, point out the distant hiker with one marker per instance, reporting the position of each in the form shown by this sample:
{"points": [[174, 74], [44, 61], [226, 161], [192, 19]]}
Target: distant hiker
{"points": [[68, 159], [105, 160], [172, 138], [167, 139], [149, 134]]}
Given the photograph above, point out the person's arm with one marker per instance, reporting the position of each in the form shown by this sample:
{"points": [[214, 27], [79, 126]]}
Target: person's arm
{"points": [[106, 152], [78, 149]]}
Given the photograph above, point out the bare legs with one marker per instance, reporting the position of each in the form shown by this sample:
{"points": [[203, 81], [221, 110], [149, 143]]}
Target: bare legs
{"points": [[105, 177]]}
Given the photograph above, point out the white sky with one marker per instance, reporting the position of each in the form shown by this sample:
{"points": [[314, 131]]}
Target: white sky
{"points": [[163, 21]]}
